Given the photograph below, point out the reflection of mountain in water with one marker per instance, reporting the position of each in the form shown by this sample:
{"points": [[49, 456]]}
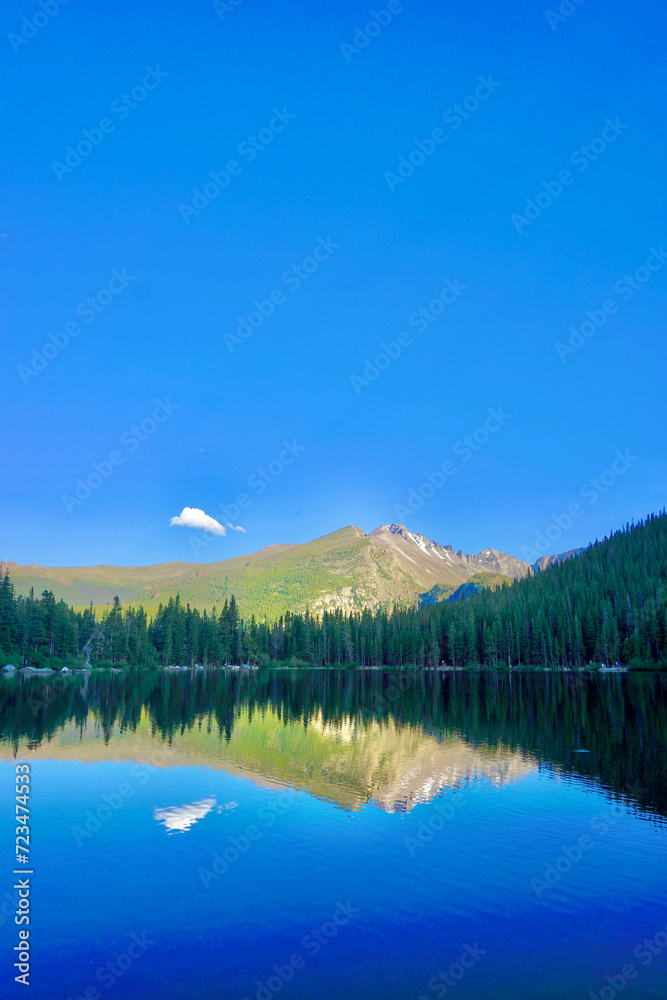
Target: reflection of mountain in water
{"points": [[389, 737], [352, 763], [348, 763]]}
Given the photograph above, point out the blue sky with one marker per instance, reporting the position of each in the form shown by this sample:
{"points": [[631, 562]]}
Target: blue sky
{"points": [[364, 191]]}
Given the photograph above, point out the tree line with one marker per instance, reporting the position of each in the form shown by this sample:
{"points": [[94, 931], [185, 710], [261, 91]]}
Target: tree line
{"points": [[606, 606]]}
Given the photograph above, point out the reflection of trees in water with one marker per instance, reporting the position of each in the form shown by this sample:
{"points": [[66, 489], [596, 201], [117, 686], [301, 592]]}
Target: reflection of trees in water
{"points": [[620, 720]]}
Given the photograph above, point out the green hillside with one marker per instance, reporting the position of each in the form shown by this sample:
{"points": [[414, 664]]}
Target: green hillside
{"points": [[344, 569], [606, 606], [475, 585]]}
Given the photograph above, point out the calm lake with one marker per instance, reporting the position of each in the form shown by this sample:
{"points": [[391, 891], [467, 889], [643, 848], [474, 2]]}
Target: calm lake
{"points": [[339, 834]]}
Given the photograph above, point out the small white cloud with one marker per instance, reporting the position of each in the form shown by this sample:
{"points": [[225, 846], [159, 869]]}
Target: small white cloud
{"points": [[193, 517], [178, 819], [235, 527]]}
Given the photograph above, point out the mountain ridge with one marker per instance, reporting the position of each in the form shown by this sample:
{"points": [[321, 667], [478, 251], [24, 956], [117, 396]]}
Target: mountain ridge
{"points": [[345, 569]]}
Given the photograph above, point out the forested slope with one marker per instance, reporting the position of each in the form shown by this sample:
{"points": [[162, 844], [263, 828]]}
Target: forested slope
{"points": [[609, 604]]}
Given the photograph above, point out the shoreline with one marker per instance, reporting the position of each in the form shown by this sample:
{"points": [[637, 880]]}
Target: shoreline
{"points": [[48, 672]]}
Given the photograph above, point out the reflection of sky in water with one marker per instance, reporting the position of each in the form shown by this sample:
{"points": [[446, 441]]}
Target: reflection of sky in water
{"points": [[261, 869], [283, 829], [178, 819]]}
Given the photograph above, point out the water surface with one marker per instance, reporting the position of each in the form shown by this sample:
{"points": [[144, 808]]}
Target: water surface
{"points": [[341, 834]]}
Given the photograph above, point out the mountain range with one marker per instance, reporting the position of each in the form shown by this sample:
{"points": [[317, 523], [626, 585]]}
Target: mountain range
{"points": [[345, 569]]}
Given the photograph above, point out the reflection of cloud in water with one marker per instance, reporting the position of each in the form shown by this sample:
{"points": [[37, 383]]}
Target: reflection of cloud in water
{"points": [[181, 818]]}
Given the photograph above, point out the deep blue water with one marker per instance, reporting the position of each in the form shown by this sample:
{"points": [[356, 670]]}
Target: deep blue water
{"points": [[350, 857]]}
